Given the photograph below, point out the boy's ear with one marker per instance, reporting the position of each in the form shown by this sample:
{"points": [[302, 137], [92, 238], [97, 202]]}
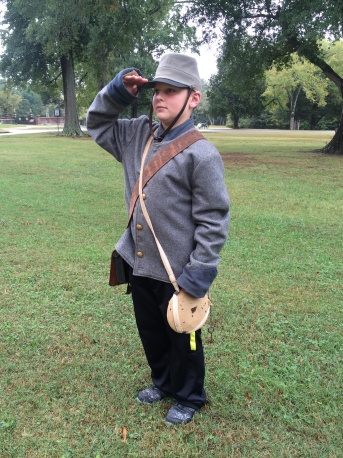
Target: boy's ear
{"points": [[195, 99]]}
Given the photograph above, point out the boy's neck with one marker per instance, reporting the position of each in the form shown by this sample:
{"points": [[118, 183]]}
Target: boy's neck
{"points": [[176, 131]]}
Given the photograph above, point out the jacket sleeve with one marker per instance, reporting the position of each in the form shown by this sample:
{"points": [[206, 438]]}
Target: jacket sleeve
{"points": [[211, 216], [103, 114]]}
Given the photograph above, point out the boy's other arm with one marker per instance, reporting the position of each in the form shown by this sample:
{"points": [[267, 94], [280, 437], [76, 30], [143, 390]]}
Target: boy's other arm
{"points": [[102, 115]]}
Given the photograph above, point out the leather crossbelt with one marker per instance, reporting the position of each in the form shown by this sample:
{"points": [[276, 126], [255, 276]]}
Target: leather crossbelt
{"points": [[164, 156], [181, 302]]}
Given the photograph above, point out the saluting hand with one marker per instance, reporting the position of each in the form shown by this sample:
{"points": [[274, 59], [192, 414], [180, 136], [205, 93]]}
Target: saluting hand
{"points": [[133, 82]]}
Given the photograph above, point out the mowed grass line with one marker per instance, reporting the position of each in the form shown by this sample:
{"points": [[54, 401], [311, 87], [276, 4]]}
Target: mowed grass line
{"points": [[70, 359]]}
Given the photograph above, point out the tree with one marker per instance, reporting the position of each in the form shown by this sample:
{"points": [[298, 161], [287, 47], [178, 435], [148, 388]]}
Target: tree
{"points": [[280, 28], [41, 41], [218, 101], [314, 117], [202, 113], [285, 85], [9, 100], [237, 87], [30, 103], [48, 38]]}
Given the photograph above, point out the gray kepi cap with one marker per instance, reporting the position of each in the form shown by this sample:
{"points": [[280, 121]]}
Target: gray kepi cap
{"points": [[178, 70]]}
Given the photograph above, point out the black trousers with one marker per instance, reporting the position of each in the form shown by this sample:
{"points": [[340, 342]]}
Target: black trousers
{"points": [[176, 369]]}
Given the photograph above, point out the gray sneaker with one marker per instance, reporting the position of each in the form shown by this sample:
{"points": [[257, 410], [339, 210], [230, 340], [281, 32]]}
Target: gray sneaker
{"points": [[179, 414], [150, 395]]}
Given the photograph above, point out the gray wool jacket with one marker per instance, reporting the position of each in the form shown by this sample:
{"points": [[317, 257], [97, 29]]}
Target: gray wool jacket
{"points": [[186, 199]]}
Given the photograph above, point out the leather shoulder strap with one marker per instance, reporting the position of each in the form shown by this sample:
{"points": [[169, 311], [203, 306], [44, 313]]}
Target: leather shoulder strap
{"points": [[164, 156]]}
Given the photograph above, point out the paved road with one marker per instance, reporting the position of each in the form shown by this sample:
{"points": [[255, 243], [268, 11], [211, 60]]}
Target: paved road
{"points": [[30, 130], [36, 130]]}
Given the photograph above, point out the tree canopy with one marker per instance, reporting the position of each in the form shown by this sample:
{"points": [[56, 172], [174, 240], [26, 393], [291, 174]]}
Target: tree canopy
{"points": [[280, 28], [45, 39], [237, 87], [284, 87], [86, 42]]}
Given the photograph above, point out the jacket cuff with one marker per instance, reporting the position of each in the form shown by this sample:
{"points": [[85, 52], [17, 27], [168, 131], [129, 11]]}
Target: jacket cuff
{"points": [[117, 90], [197, 281]]}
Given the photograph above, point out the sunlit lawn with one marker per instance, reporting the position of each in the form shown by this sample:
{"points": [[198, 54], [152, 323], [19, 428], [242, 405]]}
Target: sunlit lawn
{"points": [[71, 362]]}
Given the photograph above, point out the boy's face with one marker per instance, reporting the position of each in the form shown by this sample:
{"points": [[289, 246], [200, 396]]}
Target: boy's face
{"points": [[169, 100]]}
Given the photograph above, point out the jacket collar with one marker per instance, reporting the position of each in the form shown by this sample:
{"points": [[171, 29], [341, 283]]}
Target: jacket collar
{"points": [[176, 131]]}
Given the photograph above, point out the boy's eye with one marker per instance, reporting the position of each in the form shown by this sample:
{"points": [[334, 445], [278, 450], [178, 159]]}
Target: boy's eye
{"points": [[166, 91]]}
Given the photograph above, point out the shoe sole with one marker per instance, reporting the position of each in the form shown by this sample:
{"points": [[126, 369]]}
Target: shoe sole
{"points": [[149, 403], [178, 423]]}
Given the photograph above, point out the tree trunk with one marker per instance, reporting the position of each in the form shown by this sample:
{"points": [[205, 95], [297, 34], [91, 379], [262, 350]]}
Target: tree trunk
{"points": [[71, 120], [291, 121], [335, 146], [293, 99], [235, 119]]}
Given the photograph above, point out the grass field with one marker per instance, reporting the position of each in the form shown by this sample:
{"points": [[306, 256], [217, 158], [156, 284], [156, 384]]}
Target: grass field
{"points": [[71, 362]]}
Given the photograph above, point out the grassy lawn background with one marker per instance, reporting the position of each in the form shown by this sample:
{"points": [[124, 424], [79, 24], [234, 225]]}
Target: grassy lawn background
{"points": [[71, 362]]}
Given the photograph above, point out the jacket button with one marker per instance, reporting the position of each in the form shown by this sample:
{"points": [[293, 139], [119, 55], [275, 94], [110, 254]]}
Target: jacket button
{"points": [[139, 227], [144, 196], [139, 254]]}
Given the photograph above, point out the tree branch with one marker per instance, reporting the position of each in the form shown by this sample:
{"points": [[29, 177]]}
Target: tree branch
{"points": [[55, 79], [328, 71]]}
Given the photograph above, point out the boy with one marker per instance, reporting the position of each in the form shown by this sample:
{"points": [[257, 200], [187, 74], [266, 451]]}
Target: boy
{"points": [[189, 207]]}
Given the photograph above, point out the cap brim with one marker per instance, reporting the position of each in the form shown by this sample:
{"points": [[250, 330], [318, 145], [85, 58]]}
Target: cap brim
{"points": [[152, 83]]}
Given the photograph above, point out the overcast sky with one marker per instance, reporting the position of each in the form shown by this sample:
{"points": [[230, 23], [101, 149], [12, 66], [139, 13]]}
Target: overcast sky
{"points": [[207, 61]]}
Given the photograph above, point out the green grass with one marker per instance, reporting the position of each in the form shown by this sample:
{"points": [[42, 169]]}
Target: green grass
{"points": [[71, 361]]}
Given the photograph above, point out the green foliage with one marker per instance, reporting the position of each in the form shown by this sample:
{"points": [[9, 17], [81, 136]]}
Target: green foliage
{"points": [[9, 100], [279, 29], [283, 87], [237, 87], [300, 88], [138, 34], [49, 38], [30, 102], [202, 112]]}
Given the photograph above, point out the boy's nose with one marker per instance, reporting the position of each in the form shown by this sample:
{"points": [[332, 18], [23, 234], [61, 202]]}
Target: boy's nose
{"points": [[159, 95]]}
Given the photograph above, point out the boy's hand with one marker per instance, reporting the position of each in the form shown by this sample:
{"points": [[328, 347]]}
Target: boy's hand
{"points": [[133, 82]]}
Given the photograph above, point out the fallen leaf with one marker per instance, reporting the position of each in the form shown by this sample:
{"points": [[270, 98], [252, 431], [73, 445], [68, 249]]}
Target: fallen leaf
{"points": [[124, 433], [25, 433]]}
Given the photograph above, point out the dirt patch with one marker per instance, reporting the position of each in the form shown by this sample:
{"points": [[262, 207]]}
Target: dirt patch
{"points": [[250, 160], [246, 159]]}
